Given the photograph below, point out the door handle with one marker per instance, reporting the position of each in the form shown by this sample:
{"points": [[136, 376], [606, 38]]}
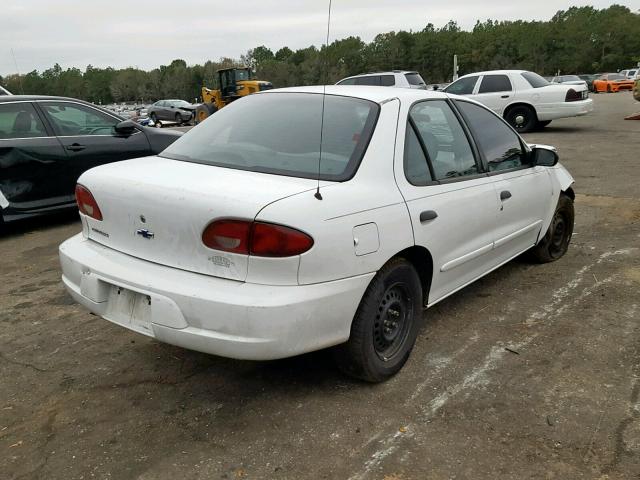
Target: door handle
{"points": [[504, 96], [76, 147], [505, 195], [428, 215]]}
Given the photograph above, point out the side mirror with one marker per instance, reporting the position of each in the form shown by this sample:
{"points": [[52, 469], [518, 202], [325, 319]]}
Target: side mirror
{"points": [[126, 127], [544, 155]]}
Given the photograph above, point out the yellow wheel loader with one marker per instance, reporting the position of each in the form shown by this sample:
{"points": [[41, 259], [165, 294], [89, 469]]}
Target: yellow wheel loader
{"points": [[233, 83]]}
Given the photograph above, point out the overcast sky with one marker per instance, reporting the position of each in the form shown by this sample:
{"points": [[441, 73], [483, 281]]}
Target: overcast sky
{"points": [[146, 34]]}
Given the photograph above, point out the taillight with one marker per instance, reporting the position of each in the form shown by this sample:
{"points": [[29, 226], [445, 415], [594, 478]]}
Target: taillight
{"points": [[573, 96], [255, 238], [86, 203], [228, 236]]}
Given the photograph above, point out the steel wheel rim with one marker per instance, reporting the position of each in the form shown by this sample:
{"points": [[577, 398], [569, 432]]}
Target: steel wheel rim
{"points": [[392, 322], [559, 232]]}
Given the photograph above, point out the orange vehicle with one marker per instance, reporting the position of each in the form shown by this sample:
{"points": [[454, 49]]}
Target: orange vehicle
{"points": [[612, 82]]}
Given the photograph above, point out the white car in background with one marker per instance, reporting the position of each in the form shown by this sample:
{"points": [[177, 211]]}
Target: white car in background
{"points": [[395, 78], [569, 80], [525, 99], [243, 240], [630, 73]]}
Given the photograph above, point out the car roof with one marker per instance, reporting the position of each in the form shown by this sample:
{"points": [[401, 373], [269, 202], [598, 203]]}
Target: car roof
{"points": [[33, 98], [374, 94], [496, 72]]}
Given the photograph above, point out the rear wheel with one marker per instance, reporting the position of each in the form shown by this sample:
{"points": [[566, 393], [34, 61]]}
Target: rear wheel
{"points": [[555, 242], [203, 111], [522, 118], [385, 326], [178, 119], [543, 123], [609, 89]]}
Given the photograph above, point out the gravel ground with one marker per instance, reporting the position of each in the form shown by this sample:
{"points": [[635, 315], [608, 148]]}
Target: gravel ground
{"points": [[532, 372]]}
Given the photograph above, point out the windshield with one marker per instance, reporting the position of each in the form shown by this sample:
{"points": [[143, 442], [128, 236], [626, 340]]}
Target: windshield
{"points": [[242, 75], [570, 78], [279, 133], [180, 103], [535, 80], [617, 77]]}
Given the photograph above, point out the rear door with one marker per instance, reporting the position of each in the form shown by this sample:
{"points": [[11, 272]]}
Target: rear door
{"points": [[451, 201], [32, 161], [495, 91], [89, 138], [522, 191]]}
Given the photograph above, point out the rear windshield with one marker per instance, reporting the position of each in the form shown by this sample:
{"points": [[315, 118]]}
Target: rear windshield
{"points": [[414, 78], [535, 80], [279, 133]]}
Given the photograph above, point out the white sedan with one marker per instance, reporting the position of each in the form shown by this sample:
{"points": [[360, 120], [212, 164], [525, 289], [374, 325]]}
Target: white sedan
{"points": [[525, 99], [253, 236]]}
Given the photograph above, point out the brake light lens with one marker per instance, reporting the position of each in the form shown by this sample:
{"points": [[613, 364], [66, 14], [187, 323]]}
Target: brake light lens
{"points": [[573, 96], [256, 238], [86, 203]]}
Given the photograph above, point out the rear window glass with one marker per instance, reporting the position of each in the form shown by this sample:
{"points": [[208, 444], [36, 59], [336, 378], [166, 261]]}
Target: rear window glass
{"points": [[368, 80], [495, 83], [20, 120], [414, 79], [279, 133], [387, 80], [535, 80]]}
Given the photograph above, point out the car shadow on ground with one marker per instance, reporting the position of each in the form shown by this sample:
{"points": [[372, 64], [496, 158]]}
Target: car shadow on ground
{"points": [[31, 225]]}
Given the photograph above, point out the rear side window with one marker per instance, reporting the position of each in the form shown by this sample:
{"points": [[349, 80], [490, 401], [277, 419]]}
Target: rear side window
{"points": [[440, 133], [416, 168], [279, 133], [368, 80], [535, 80], [462, 86], [414, 78], [495, 83], [500, 145], [20, 120], [387, 80]]}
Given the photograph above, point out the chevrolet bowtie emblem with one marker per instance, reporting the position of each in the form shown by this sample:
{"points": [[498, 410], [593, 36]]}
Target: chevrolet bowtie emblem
{"points": [[144, 233]]}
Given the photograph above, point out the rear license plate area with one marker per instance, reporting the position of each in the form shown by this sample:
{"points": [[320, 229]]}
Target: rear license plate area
{"points": [[129, 309]]}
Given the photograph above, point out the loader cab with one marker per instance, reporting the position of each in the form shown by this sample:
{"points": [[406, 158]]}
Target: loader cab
{"points": [[228, 80]]}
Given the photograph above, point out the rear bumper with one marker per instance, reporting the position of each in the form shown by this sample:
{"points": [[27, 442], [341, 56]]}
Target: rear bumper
{"points": [[208, 314], [553, 111]]}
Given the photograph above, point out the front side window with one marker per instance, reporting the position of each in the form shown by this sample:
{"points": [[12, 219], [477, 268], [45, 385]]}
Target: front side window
{"points": [[347, 81], [501, 145], [279, 133], [72, 119], [462, 86], [20, 120], [444, 140], [495, 83]]}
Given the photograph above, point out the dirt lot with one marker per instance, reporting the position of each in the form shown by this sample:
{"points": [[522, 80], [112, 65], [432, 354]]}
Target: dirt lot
{"points": [[533, 372]]}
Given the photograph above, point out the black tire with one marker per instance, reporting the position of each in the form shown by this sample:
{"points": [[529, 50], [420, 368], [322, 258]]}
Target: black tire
{"points": [[555, 242], [522, 118], [154, 119], [385, 326], [609, 89], [543, 123], [178, 119]]}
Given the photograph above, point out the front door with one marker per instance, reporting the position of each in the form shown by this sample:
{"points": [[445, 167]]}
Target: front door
{"points": [[89, 138], [452, 203], [522, 190]]}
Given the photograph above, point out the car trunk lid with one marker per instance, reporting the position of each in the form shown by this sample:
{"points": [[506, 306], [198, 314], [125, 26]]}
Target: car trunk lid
{"points": [[156, 208]]}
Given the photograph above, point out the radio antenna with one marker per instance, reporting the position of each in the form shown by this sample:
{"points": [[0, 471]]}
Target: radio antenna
{"points": [[318, 195], [17, 71]]}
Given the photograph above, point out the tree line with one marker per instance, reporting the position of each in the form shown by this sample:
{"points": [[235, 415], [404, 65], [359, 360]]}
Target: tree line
{"points": [[577, 40]]}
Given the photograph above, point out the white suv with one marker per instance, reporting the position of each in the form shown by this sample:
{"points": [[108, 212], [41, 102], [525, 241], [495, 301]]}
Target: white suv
{"points": [[396, 78]]}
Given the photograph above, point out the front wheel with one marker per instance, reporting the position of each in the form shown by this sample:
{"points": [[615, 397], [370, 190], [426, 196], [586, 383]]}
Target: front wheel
{"points": [[555, 242], [178, 119], [522, 118], [543, 123], [385, 326]]}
